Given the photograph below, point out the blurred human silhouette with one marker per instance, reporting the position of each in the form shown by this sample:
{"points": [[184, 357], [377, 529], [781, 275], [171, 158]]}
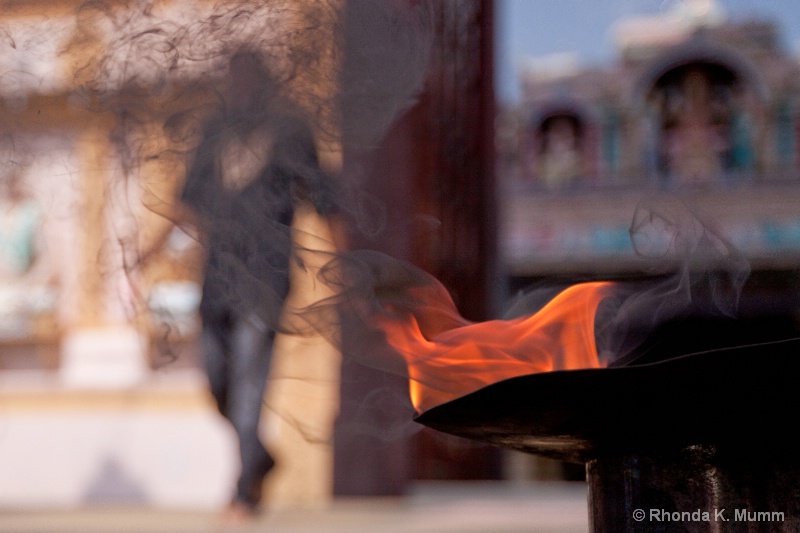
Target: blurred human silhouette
{"points": [[255, 163]]}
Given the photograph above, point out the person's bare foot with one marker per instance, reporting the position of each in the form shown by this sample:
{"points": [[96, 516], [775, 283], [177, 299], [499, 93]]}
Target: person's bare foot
{"points": [[238, 513]]}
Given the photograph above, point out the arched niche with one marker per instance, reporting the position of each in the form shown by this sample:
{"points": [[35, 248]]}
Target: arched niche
{"points": [[699, 50], [698, 105], [561, 140]]}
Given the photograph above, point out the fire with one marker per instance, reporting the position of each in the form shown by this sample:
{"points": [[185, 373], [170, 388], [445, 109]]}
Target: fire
{"points": [[448, 356]]}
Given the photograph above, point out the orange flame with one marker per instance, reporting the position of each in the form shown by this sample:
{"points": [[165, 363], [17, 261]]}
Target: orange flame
{"points": [[448, 361]]}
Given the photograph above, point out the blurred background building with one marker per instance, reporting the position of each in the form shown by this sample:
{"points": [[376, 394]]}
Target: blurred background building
{"points": [[695, 103], [86, 418], [694, 99], [102, 399]]}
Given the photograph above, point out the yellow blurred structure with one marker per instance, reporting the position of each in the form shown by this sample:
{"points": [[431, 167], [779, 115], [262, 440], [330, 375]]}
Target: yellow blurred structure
{"points": [[101, 394]]}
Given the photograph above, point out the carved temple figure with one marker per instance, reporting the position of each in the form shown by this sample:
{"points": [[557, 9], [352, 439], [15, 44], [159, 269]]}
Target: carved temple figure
{"points": [[561, 162], [696, 132]]}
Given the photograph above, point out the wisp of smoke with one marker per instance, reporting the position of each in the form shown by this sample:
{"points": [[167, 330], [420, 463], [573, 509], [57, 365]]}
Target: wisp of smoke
{"points": [[694, 272], [161, 70], [157, 72]]}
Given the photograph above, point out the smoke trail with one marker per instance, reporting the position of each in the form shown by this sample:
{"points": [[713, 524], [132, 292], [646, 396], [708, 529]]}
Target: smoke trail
{"points": [[401, 320], [161, 71], [696, 273], [151, 80], [158, 70]]}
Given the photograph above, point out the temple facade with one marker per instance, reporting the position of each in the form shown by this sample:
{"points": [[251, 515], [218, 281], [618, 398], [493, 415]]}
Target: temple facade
{"points": [[693, 105]]}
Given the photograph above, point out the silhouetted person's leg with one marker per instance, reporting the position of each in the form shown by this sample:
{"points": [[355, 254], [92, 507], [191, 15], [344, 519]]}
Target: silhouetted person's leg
{"points": [[251, 350], [214, 340]]}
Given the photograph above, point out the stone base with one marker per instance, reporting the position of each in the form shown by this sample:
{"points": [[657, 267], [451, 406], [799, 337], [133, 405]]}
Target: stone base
{"points": [[696, 489], [161, 445], [104, 358]]}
